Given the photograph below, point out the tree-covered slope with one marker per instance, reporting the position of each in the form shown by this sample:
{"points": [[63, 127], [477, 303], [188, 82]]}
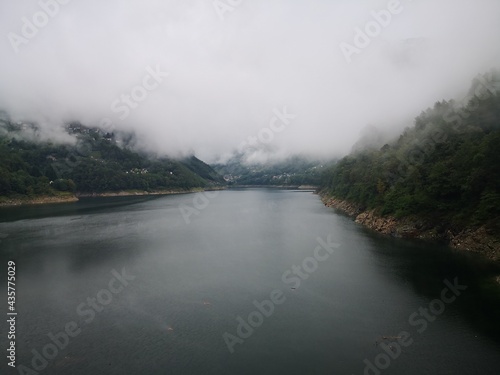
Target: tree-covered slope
{"points": [[294, 171], [94, 163], [446, 168]]}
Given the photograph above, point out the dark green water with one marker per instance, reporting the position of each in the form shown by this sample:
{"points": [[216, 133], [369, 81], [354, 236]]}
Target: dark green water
{"points": [[191, 280]]}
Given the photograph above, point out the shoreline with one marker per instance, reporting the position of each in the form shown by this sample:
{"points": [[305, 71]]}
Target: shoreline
{"points": [[139, 193], [76, 197], [474, 240], [283, 187], [16, 202]]}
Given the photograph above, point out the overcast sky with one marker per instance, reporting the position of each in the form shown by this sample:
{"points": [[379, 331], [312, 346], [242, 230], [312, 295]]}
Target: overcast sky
{"points": [[231, 67]]}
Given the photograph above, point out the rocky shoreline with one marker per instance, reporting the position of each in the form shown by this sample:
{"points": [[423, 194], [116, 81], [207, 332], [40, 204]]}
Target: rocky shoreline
{"points": [[477, 240]]}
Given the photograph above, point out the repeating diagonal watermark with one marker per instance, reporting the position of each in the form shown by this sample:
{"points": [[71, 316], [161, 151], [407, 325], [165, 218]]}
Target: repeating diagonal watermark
{"points": [[484, 90], [278, 123], [122, 106], [200, 202], [293, 278], [32, 26], [454, 115], [139, 93], [420, 319], [363, 37], [224, 6], [88, 309]]}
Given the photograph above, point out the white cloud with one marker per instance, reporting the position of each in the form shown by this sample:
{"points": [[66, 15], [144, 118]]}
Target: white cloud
{"points": [[226, 77]]}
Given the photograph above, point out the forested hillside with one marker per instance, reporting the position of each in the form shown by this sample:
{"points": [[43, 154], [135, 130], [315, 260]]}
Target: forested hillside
{"points": [[94, 163], [294, 171], [446, 168]]}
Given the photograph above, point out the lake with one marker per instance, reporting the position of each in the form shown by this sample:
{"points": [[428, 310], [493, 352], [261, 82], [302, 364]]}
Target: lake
{"points": [[250, 281]]}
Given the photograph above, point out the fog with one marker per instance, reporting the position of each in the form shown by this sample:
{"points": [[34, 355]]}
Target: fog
{"points": [[208, 75]]}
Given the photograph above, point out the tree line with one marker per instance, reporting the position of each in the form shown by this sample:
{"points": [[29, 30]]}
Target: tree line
{"points": [[445, 168], [94, 164]]}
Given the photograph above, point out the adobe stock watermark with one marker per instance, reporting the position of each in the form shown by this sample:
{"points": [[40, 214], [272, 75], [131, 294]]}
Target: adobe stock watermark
{"points": [[31, 26], [122, 106], [224, 6], [484, 90], [139, 93], [363, 37], [293, 278], [455, 115], [60, 340], [199, 203], [420, 319], [278, 123]]}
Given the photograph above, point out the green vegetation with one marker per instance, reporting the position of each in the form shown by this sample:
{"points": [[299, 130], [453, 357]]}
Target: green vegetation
{"points": [[294, 171], [94, 164], [445, 169]]}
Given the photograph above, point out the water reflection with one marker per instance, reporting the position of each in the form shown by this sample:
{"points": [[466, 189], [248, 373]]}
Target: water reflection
{"points": [[194, 279]]}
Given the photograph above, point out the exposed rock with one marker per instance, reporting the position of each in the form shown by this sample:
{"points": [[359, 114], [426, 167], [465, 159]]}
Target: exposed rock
{"points": [[478, 240]]}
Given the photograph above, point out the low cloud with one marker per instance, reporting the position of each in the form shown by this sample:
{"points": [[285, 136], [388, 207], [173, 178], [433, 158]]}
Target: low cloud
{"points": [[226, 75]]}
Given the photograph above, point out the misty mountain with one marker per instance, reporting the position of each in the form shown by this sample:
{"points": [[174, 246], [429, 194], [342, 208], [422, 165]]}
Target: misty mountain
{"points": [[95, 161], [216, 82], [293, 171], [371, 138], [446, 168]]}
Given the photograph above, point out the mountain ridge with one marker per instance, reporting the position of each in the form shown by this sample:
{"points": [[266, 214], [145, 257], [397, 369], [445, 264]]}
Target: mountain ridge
{"points": [[98, 162], [440, 179]]}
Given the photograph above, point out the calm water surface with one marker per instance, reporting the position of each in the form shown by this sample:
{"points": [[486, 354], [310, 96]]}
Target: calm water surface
{"points": [[190, 280]]}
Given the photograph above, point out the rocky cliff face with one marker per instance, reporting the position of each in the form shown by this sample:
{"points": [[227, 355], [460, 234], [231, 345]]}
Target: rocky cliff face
{"points": [[477, 240]]}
